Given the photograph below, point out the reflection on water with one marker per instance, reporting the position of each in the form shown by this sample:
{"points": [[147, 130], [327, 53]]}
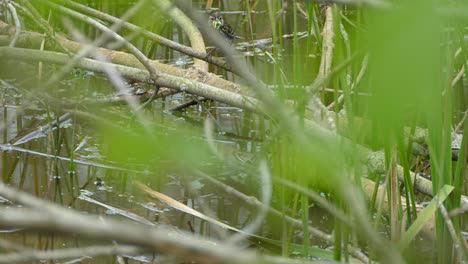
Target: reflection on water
{"points": [[58, 156], [51, 147]]}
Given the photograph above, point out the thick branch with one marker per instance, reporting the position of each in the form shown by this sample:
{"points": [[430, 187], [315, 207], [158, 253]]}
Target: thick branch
{"points": [[57, 254], [164, 80], [196, 39], [49, 217], [32, 40]]}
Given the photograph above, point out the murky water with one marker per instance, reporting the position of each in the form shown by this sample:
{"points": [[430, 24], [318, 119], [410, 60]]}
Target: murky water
{"points": [[73, 145], [59, 155], [52, 148]]}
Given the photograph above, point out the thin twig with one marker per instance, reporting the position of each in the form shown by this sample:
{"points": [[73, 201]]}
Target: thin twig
{"points": [[111, 33], [116, 81], [17, 24], [28, 255], [32, 13], [187, 104], [196, 39], [50, 217], [254, 203], [458, 76], [165, 80], [266, 194], [150, 35], [460, 247], [462, 121]]}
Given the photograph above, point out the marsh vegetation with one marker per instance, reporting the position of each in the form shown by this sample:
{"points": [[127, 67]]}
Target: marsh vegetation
{"points": [[306, 132]]}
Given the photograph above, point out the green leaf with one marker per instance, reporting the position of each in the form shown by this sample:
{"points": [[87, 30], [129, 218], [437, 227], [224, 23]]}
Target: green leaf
{"points": [[425, 216]]}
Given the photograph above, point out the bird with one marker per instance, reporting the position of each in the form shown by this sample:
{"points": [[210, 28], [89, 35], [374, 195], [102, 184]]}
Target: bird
{"points": [[218, 23]]}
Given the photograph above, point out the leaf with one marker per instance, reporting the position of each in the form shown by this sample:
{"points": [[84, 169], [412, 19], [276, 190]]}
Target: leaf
{"points": [[425, 216]]}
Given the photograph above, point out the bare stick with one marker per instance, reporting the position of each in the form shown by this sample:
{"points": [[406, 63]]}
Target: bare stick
{"points": [[189, 28], [93, 251], [256, 204], [165, 80], [32, 13], [117, 81], [154, 73], [17, 24], [460, 247], [199, 54], [49, 217]]}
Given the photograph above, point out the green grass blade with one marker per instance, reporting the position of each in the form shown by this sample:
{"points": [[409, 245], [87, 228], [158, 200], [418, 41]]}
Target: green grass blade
{"points": [[425, 216]]}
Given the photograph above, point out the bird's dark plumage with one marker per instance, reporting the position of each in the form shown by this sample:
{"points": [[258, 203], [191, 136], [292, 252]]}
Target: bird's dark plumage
{"points": [[217, 22]]}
